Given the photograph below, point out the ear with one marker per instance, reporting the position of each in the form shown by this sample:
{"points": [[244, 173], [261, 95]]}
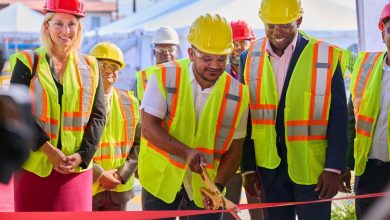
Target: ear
{"points": [[383, 35], [299, 21], [191, 54], [46, 26]]}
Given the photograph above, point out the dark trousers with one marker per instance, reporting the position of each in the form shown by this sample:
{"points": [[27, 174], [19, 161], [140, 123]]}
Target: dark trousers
{"points": [[278, 187], [375, 178], [150, 202]]}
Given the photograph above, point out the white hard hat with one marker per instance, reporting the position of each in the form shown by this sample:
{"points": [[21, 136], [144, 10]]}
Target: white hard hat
{"points": [[165, 35]]}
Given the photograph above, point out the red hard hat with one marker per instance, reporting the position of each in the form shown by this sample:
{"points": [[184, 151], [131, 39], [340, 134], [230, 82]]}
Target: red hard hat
{"points": [[384, 15], [74, 7], [241, 30]]}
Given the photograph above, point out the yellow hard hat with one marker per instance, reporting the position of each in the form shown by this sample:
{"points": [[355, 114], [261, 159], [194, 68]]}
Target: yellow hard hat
{"points": [[280, 11], [211, 34], [109, 51]]}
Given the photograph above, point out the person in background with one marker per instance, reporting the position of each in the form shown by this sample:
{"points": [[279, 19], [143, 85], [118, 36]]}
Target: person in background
{"points": [[165, 43], [193, 114], [242, 37], [368, 111], [297, 135], [68, 108], [115, 160]]}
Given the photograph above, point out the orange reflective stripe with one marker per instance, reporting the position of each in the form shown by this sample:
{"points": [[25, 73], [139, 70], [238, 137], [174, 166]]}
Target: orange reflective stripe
{"points": [[125, 131], [74, 128], [248, 60], [260, 68], [328, 83], [108, 157], [27, 55], [364, 125], [262, 106], [143, 79], [76, 114], [313, 79]]}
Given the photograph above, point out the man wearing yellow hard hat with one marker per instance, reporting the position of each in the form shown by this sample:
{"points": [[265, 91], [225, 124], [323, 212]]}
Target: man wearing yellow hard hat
{"points": [[194, 114], [298, 129], [115, 160]]}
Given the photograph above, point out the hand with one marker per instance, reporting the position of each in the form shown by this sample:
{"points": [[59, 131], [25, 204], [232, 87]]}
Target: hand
{"points": [[118, 177], [195, 159], [207, 202], [345, 181], [56, 158], [252, 184], [108, 181], [328, 183], [74, 160]]}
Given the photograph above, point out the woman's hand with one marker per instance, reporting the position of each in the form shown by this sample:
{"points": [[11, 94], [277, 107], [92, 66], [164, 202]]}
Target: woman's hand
{"points": [[56, 158]]}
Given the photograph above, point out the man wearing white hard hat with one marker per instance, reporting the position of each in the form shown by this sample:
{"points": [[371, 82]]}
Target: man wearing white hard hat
{"points": [[165, 42]]}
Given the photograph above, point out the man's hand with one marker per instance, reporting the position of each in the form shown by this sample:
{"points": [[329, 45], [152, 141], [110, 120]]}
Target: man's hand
{"points": [[328, 184], [195, 159], [207, 202], [252, 185], [345, 181], [108, 181]]}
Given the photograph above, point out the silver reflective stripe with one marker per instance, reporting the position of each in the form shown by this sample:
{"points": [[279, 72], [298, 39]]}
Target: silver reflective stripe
{"points": [[177, 159], [87, 84], [256, 56], [366, 67], [75, 121], [129, 116], [107, 151], [170, 85], [322, 67], [306, 130], [38, 95], [232, 105], [263, 114], [363, 125]]}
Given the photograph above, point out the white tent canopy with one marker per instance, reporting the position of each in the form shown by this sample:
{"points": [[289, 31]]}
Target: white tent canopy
{"points": [[330, 20], [17, 18], [321, 15]]}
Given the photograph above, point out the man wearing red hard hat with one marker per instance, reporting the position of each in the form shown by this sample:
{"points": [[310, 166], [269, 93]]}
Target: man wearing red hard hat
{"points": [[368, 108], [242, 37]]}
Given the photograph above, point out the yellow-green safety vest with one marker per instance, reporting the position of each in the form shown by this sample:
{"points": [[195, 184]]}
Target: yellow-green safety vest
{"points": [[142, 80], [161, 173], [306, 110], [365, 89], [118, 137], [79, 84]]}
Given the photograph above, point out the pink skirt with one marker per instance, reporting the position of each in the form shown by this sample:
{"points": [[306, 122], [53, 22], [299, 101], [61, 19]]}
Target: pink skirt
{"points": [[7, 197], [57, 192]]}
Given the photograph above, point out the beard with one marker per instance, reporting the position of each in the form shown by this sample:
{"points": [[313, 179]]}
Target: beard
{"points": [[234, 60]]}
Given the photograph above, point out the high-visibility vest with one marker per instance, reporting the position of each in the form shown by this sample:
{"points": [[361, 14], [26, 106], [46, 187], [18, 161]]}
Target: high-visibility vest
{"points": [[306, 110], [118, 137], [365, 89], [79, 83], [142, 80], [161, 173]]}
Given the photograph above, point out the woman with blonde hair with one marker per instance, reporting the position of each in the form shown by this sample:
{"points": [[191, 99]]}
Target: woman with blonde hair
{"points": [[68, 108]]}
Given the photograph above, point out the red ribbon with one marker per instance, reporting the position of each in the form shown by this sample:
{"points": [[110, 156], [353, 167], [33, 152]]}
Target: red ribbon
{"points": [[142, 215]]}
